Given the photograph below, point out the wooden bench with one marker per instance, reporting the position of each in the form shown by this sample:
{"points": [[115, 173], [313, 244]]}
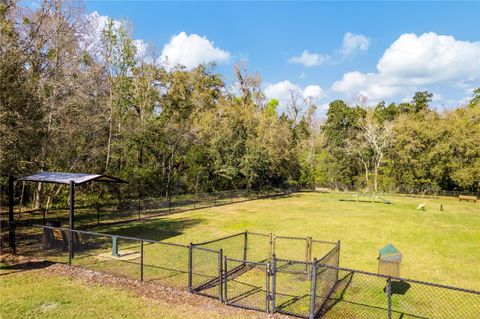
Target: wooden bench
{"points": [[467, 198], [55, 238]]}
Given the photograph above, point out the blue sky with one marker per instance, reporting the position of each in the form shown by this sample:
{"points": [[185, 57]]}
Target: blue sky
{"points": [[271, 35]]}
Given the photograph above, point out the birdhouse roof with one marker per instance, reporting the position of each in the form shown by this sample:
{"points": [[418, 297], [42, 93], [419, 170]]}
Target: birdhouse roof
{"points": [[389, 250]]}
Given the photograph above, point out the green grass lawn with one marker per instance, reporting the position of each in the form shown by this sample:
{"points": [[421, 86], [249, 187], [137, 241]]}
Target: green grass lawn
{"points": [[41, 294], [438, 246], [441, 246]]}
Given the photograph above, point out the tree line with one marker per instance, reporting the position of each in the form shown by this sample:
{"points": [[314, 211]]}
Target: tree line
{"points": [[68, 106]]}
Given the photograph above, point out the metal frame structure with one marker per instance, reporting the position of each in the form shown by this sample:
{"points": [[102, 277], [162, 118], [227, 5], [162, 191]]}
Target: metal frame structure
{"points": [[71, 179]]}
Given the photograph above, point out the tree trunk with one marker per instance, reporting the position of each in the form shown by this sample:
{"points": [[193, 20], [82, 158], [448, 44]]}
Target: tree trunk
{"points": [[110, 127], [38, 197]]}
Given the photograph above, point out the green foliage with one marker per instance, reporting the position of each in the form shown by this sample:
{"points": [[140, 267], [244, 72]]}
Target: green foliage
{"points": [[271, 108], [173, 130], [475, 100]]}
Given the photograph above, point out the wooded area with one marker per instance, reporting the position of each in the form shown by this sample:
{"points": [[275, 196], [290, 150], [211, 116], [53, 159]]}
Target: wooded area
{"points": [[69, 106]]}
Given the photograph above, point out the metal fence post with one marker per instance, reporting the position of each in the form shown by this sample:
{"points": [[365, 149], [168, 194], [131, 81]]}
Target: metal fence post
{"points": [[267, 287], [308, 255], [220, 275], [389, 298], [225, 282], [70, 247], [270, 242], [141, 261], [115, 246], [274, 238], [313, 291], [338, 259], [190, 264], [245, 243], [274, 283]]}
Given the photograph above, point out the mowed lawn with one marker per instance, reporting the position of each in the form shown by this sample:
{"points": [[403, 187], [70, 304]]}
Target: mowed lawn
{"points": [[438, 246], [39, 293]]}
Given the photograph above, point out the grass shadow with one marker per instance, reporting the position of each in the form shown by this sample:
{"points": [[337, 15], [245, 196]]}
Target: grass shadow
{"points": [[154, 229], [20, 267]]}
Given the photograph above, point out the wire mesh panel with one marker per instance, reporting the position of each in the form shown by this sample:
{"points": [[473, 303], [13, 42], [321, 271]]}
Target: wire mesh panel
{"points": [[292, 287], [166, 264], [152, 206], [246, 284], [321, 248], [107, 253], [205, 272], [223, 198], [326, 278], [411, 299], [259, 247], [233, 246], [292, 248], [203, 200], [355, 295]]}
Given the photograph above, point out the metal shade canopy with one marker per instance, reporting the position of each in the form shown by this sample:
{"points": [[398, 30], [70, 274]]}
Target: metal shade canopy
{"points": [[66, 178], [71, 179]]}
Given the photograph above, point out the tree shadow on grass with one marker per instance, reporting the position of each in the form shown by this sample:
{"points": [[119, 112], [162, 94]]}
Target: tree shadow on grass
{"points": [[283, 196], [20, 267], [154, 229]]}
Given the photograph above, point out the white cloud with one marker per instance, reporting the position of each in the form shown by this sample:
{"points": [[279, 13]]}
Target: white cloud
{"points": [[309, 59], [353, 44], [142, 48], [414, 61], [191, 50], [437, 97], [91, 40], [283, 90], [313, 91], [430, 58]]}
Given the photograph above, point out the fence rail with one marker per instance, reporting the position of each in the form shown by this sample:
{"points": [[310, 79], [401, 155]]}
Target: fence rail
{"points": [[403, 191], [89, 216], [308, 289]]}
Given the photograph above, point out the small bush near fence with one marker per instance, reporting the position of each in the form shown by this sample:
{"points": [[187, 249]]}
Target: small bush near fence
{"points": [[243, 270]]}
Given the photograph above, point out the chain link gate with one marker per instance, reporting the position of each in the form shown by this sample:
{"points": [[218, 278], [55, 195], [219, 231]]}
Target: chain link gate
{"points": [[205, 271], [247, 284], [291, 287]]}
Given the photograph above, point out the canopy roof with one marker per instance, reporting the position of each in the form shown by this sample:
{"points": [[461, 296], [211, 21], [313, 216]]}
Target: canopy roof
{"points": [[65, 178]]}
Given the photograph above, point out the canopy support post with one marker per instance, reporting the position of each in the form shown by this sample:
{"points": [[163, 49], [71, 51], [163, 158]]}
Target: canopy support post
{"points": [[11, 221], [71, 224]]}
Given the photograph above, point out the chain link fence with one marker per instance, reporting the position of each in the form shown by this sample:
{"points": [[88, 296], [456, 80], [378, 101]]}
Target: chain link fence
{"points": [[89, 216], [359, 294], [258, 279], [247, 284]]}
